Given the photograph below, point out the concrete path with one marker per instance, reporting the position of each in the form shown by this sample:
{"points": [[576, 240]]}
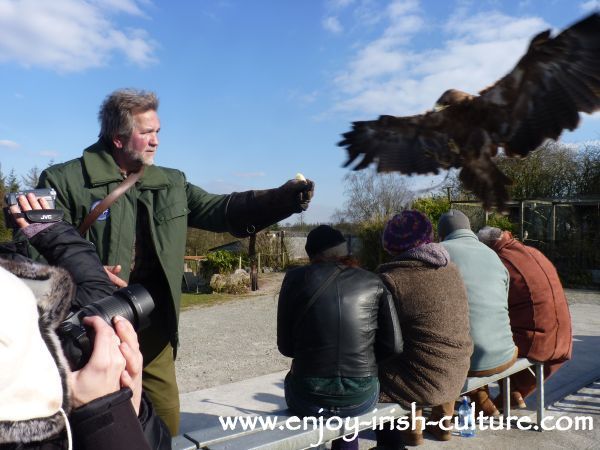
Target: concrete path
{"points": [[572, 392]]}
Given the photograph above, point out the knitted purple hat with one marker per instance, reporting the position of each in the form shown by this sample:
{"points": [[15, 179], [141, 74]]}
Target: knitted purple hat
{"points": [[407, 230]]}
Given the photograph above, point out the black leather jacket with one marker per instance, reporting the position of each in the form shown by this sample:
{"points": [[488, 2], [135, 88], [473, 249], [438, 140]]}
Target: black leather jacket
{"points": [[350, 327]]}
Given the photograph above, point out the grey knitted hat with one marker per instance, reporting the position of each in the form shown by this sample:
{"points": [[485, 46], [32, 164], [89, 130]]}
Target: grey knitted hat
{"points": [[451, 221]]}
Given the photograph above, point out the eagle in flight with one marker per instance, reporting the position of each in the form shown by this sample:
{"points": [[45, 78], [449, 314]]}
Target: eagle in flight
{"points": [[556, 79]]}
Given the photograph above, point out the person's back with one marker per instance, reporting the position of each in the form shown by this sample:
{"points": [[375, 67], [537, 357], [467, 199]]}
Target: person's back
{"points": [[486, 280], [538, 309], [336, 321], [432, 308], [335, 337], [535, 284]]}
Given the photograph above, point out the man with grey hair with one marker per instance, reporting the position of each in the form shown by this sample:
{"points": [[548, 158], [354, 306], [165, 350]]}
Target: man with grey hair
{"points": [[142, 234], [486, 281], [537, 306]]}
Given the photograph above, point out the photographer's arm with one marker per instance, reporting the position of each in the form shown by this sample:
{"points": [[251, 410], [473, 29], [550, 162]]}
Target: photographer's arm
{"points": [[61, 245], [155, 430], [113, 377]]}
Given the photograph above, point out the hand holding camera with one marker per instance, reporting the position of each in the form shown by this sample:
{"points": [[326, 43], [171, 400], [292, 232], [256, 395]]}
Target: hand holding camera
{"points": [[30, 206], [115, 362], [132, 303]]}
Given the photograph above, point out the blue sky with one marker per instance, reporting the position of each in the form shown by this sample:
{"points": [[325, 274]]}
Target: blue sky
{"points": [[252, 92]]}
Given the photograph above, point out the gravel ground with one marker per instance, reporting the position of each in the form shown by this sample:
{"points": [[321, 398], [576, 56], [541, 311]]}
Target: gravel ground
{"points": [[231, 341], [236, 340]]}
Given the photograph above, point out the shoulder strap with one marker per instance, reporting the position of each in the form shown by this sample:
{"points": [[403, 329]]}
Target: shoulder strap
{"points": [[317, 294], [109, 200]]}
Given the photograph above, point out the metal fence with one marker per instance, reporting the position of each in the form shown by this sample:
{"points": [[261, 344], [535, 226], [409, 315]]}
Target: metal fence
{"points": [[566, 231]]}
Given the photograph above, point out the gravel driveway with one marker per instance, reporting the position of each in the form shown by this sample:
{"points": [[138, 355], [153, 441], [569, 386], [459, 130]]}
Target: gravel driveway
{"points": [[231, 341], [236, 340]]}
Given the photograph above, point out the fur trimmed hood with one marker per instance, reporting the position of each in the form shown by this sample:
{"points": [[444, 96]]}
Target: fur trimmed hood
{"points": [[33, 376]]}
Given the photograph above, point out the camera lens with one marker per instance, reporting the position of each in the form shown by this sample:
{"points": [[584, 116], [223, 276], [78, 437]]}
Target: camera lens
{"points": [[133, 302]]}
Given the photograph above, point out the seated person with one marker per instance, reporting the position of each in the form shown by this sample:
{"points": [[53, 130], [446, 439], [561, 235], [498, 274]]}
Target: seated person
{"points": [[104, 401], [486, 280], [431, 302], [337, 321], [537, 306]]}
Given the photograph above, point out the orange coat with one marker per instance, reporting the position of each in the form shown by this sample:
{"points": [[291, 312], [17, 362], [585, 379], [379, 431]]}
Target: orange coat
{"points": [[537, 306]]}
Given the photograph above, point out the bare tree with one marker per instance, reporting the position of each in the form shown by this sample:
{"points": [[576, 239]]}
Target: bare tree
{"points": [[588, 181], [550, 171], [554, 170], [372, 196], [31, 178]]}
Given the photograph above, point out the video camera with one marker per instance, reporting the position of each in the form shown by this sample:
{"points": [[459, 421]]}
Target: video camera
{"points": [[133, 302], [34, 215]]}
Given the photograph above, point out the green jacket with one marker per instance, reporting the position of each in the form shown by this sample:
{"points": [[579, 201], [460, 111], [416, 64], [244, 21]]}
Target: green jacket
{"points": [[171, 202]]}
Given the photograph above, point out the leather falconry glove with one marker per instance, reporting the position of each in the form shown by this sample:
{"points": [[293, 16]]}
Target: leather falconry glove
{"points": [[251, 211]]}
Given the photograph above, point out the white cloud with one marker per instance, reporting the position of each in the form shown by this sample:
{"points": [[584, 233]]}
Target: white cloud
{"points": [[70, 35], [11, 145], [332, 24], [379, 62], [125, 6], [387, 76], [590, 5]]}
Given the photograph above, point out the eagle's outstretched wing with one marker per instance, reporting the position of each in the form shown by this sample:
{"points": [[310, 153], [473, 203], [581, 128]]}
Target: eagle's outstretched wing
{"points": [[553, 82], [412, 145]]}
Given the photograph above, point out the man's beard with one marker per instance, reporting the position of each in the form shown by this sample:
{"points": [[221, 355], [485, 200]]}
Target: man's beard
{"points": [[142, 158]]}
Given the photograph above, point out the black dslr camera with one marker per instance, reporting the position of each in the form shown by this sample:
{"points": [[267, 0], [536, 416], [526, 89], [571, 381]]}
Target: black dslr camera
{"points": [[133, 302], [34, 215]]}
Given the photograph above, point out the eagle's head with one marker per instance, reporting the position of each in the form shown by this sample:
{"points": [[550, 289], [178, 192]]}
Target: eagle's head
{"points": [[451, 97]]}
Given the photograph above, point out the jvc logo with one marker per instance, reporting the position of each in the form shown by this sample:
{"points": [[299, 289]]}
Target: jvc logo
{"points": [[46, 217]]}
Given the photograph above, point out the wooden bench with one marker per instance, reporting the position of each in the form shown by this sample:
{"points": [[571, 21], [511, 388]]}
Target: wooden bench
{"points": [[283, 438]]}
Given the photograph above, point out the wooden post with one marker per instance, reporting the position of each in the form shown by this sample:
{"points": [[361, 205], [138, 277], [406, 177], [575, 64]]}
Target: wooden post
{"points": [[522, 213], [253, 268], [282, 233], [553, 223]]}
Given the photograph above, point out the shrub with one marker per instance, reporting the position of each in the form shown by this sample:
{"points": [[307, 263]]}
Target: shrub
{"points": [[236, 283], [433, 208], [220, 261], [371, 253], [500, 221]]}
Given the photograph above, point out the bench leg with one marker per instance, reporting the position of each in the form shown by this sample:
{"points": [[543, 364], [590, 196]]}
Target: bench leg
{"points": [[506, 397], [539, 380]]}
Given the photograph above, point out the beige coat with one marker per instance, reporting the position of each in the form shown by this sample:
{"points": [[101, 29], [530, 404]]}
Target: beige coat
{"points": [[434, 318]]}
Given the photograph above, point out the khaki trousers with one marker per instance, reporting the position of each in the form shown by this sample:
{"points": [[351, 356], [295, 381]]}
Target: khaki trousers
{"points": [[160, 383]]}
